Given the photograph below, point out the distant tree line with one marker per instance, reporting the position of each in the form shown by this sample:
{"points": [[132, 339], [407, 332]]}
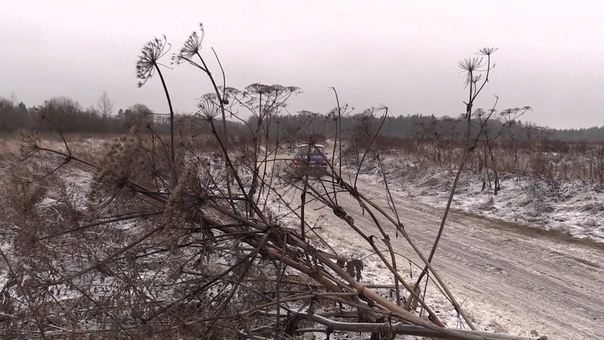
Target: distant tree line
{"points": [[69, 116], [13, 116], [424, 128]]}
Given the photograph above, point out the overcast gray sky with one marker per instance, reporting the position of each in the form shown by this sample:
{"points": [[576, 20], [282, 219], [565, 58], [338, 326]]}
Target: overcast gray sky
{"points": [[402, 54]]}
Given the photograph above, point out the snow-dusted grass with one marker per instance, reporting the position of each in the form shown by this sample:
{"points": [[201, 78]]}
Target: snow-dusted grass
{"points": [[572, 207], [428, 185]]}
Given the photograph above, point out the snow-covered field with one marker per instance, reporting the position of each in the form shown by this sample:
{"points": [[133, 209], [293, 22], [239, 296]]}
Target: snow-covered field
{"points": [[564, 211], [573, 208], [570, 208]]}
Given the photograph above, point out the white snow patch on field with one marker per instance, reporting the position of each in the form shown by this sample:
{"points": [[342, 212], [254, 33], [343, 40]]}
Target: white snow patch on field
{"points": [[574, 207]]}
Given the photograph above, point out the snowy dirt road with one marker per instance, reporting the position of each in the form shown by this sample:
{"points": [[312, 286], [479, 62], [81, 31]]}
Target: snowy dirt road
{"points": [[510, 278]]}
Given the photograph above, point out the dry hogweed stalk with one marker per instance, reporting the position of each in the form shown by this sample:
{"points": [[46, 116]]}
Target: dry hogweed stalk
{"points": [[148, 62]]}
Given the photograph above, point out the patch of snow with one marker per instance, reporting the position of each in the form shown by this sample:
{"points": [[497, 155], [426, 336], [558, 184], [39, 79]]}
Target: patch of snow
{"points": [[571, 206]]}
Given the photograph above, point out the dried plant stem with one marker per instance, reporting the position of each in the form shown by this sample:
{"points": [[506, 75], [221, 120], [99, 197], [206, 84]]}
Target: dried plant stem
{"points": [[172, 154]]}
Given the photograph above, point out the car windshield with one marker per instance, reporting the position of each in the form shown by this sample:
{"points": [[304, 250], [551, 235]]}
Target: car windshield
{"points": [[311, 149]]}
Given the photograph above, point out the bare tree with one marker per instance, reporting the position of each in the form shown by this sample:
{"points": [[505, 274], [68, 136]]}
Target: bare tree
{"points": [[105, 105], [13, 98]]}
